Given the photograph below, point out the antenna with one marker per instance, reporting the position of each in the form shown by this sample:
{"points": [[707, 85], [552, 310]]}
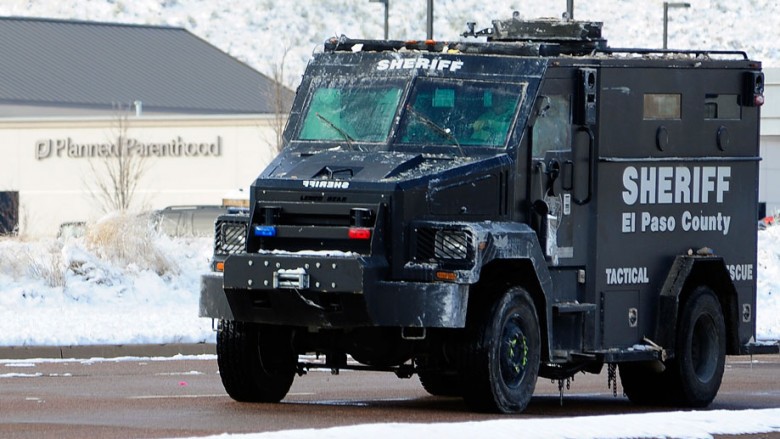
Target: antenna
{"points": [[569, 10]]}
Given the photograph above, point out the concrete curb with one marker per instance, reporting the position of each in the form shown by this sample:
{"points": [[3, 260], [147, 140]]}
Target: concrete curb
{"points": [[106, 351]]}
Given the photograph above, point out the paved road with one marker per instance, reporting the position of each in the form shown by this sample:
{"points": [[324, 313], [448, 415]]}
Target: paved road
{"points": [[152, 399]]}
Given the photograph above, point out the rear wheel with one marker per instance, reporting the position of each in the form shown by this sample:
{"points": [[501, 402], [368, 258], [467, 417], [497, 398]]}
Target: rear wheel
{"points": [[692, 378], [502, 354], [643, 385], [256, 362], [700, 358]]}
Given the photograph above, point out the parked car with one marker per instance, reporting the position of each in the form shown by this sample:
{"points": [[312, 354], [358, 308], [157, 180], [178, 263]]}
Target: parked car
{"points": [[179, 221], [72, 229]]}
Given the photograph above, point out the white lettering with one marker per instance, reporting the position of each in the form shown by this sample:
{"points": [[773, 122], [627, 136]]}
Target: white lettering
{"points": [[628, 225], [707, 185], [631, 193], [724, 174], [421, 63], [682, 181], [652, 223], [678, 185], [665, 175], [325, 184], [706, 223], [627, 276], [646, 185], [123, 146], [740, 271]]}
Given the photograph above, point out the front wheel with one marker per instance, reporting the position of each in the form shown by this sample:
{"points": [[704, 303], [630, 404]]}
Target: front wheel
{"points": [[440, 384], [256, 362], [503, 351]]}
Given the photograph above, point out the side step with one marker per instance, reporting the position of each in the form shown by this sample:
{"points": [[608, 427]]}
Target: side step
{"points": [[572, 307]]}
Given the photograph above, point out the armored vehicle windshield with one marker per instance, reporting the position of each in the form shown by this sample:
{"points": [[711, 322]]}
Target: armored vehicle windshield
{"points": [[461, 112], [408, 114], [360, 111]]}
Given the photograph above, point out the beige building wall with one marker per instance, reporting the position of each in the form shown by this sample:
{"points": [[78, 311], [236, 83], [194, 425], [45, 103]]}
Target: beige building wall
{"points": [[55, 164], [769, 177]]}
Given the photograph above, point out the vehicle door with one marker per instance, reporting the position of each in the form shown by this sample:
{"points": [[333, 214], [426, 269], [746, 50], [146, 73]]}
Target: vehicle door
{"points": [[561, 147]]}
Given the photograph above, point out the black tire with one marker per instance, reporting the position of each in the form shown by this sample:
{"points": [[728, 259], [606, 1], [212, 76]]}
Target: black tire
{"points": [[692, 378], [700, 354], [256, 362], [502, 353], [643, 385], [440, 384]]}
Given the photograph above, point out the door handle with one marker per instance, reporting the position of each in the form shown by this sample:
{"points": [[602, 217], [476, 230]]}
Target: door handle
{"points": [[591, 150]]}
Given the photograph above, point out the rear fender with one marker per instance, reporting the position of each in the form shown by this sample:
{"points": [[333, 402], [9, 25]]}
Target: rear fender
{"points": [[686, 273]]}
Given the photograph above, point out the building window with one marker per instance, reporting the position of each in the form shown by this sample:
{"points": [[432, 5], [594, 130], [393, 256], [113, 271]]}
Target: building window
{"points": [[722, 107], [9, 213], [662, 106]]}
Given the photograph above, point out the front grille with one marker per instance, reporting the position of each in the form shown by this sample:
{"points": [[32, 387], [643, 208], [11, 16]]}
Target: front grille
{"points": [[297, 226], [230, 234]]}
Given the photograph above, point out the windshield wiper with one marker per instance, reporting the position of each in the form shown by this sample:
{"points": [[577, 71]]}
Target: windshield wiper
{"points": [[431, 124], [338, 129]]}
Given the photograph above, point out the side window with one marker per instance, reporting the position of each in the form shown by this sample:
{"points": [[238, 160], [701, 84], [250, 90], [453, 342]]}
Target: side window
{"points": [[662, 106], [724, 106], [552, 130]]}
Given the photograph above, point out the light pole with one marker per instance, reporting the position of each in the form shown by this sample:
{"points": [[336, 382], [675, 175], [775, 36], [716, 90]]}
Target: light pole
{"points": [[430, 20], [668, 5], [387, 7]]}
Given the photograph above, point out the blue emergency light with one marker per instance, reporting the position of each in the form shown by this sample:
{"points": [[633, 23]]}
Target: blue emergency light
{"points": [[265, 231]]}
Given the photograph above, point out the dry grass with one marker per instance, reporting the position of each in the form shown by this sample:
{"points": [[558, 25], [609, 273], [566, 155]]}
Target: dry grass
{"points": [[126, 239], [40, 260]]}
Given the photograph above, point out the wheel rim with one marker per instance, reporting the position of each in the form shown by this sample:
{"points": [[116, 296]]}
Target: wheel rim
{"points": [[704, 348], [513, 353]]}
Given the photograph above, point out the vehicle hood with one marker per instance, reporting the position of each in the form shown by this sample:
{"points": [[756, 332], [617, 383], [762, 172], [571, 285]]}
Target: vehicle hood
{"points": [[360, 166]]}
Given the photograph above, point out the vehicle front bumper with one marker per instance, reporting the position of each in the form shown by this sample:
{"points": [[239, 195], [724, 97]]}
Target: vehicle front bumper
{"points": [[344, 290]]}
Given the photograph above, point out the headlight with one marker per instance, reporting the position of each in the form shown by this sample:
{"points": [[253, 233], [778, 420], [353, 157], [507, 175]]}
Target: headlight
{"points": [[451, 244], [230, 237]]}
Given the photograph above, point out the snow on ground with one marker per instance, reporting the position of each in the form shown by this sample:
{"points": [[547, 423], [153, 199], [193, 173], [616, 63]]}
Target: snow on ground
{"points": [[702, 424], [119, 284], [122, 284], [768, 284]]}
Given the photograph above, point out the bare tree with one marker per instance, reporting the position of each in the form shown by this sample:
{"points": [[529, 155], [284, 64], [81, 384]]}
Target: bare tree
{"points": [[117, 175], [281, 101]]}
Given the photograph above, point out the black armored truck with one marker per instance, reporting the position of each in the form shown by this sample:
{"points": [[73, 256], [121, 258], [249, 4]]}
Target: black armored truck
{"points": [[523, 202]]}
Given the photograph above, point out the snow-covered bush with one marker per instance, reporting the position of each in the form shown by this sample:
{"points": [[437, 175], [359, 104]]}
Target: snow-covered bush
{"points": [[127, 240]]}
